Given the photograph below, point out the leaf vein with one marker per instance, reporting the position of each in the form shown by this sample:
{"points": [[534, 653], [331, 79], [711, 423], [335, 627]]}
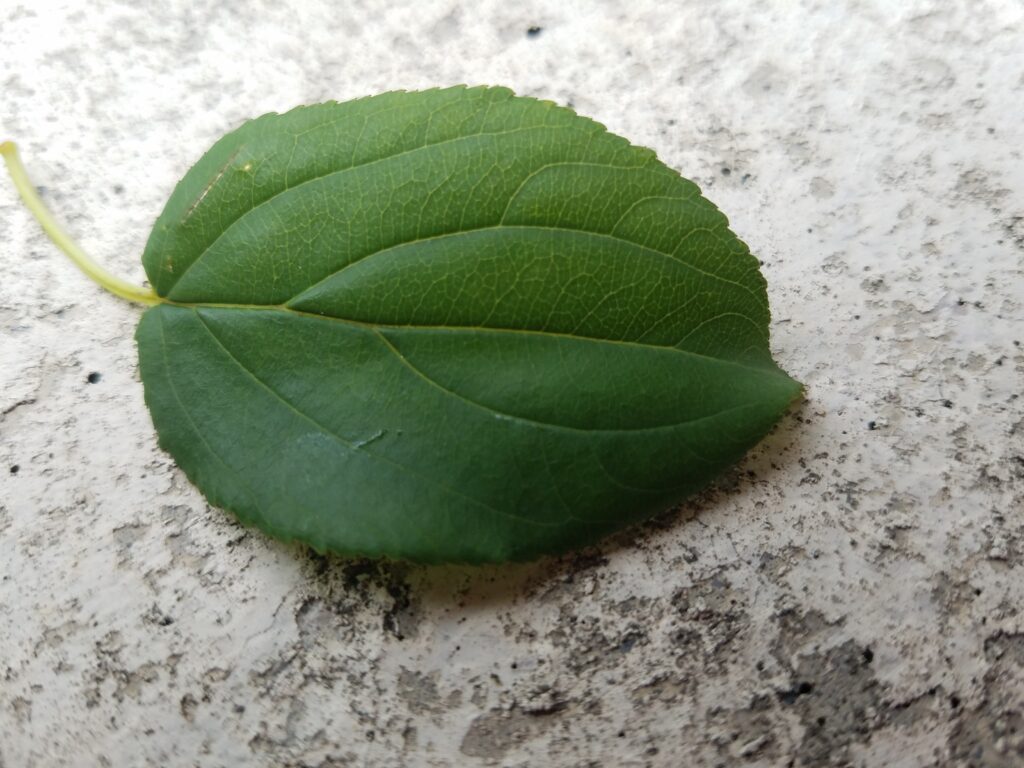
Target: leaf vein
{"points": [[347, 168], [537, 422], [353, 447], [529, 227]]}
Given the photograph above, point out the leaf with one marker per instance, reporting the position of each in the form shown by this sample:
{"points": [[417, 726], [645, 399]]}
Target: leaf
{"points": [[454, 325]]}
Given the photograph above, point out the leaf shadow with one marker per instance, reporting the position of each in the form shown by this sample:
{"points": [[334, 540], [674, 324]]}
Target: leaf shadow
{"points": [[771, 458]]}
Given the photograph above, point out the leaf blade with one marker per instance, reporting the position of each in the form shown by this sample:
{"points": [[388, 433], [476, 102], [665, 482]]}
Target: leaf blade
{"points": [[480, 348]]}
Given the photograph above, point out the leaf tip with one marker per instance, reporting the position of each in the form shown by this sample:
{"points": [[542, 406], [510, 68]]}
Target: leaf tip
{"points": [[8, 149], [800, 391]]}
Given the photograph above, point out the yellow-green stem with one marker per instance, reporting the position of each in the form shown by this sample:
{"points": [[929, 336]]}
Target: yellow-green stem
{"points": [[62, 239]]}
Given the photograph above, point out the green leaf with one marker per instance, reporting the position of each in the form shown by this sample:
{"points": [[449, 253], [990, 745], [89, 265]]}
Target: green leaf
{"points": [[455, 325]]}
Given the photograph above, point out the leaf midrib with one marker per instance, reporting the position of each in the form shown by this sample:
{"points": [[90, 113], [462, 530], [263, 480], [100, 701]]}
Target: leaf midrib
{"points": [[754, 368]]}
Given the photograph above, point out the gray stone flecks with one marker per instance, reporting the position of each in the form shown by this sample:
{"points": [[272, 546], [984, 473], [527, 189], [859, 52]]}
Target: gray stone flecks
{"points": [[849, 595]]}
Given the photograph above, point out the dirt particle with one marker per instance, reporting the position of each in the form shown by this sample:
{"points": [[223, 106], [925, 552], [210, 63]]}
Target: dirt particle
{"points": [[822, 188], [419, 691], [188, 707], [493, 734], [790, 695], [840, 707]]}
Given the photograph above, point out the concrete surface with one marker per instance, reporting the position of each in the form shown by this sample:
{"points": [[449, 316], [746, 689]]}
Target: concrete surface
{"points": [[850, 595]]}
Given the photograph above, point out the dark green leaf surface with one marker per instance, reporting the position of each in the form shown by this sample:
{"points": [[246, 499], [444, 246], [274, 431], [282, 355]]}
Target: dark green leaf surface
{"points": [[455, 325]]}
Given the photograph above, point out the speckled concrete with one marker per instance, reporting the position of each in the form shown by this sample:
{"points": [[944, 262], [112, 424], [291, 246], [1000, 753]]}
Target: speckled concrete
{"points": [[850, 595]]}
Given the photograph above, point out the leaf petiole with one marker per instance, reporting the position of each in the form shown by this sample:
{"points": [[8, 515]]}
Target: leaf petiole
{"points": [[62, 239]]}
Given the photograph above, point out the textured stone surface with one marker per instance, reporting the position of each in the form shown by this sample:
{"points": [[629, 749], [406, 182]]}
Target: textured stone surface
{"points": [[850, 595]]}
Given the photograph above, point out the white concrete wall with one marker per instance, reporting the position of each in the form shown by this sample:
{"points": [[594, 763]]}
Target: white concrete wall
{"points": [[851, 593]]}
